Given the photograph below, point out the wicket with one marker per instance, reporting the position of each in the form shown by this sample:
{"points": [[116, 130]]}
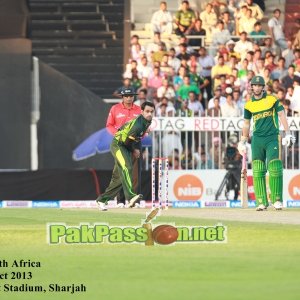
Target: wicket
{"points": [[161, 161]]}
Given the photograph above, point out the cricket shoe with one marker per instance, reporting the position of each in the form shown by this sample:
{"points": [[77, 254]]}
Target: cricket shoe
{"points": [[120, 205], [261, 207], [278, 205], [101, 205], [134, 199]]}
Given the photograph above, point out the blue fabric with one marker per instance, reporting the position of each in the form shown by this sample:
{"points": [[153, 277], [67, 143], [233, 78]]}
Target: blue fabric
{"points": [[99, 142]]}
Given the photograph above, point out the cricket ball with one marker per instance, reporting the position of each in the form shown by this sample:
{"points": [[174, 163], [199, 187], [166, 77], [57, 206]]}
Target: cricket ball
{"points": [[165, 234]]}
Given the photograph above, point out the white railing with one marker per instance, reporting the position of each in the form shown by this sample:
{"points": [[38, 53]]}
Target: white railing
{"points": [[214, 134]]}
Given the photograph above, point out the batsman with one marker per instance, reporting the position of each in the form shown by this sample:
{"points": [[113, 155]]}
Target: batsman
{"points": [[265, 110]]}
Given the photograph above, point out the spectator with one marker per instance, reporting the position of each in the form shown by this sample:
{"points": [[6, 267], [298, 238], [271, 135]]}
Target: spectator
{"points": [[268, 47], [216, 152], [239, 16], [275, 85], [295, 100], [158, 55], [178, 79], [286, 105], [155, 45], [218, 94], [195, 105], [183, 40], [184, 110], [174, 163], [257, 34], [161, 110], [220, 69], [183, 52], [215, 111], [232, 7], [267, 78], [184, 19], [203, 162], [171, 140], [187, 159], [259, 67], [228, 23], [161, 20], [164, 65], [280, 94], [155, 79], [166, 90], [141, 97], [276, 31], [198, 31], [193, 62], [289, 93], [242, 73], [296, 43], [288, 80], [135, 80], [288, 54], [144, 69], [206, 62], [243, 45], [209, 21], [280, 71], [257, 56], [256, 10], [247, 23], [229, 108], [135, 47], [173, 61], [269, 62], [220, 36], [183, 91], [237, 98]]}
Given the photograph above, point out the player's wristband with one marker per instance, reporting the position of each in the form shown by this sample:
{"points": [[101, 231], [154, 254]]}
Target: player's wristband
{"points": [[244, 138]]}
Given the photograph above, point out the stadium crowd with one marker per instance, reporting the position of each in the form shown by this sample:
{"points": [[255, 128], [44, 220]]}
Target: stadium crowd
{"points": [[207, 72]]}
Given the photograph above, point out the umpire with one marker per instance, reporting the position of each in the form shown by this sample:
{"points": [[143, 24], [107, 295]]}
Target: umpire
{"points": [[127, 142]]}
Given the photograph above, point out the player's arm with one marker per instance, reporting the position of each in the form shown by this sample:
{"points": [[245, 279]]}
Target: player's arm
{"points": [[289, 139], [246, 128], [245, 132], [111, 123], [283, 121]]}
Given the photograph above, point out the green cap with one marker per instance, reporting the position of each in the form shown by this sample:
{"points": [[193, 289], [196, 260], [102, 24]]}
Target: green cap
{"points": [[258, 80]]}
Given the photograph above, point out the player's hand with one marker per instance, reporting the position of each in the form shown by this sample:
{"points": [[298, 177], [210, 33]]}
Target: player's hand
{"points": [[136, 153], [242, 145], [289, 140]]}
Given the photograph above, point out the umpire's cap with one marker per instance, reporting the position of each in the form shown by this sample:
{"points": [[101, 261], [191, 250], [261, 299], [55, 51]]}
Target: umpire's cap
{"points": [[259, 80], [128, 92]]}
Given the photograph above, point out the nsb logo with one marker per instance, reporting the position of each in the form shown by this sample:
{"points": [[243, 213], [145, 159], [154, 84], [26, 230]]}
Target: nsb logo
{"points": [[188, 187], [294, 187]]}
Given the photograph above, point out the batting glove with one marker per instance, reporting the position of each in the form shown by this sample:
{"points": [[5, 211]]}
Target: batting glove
{"points": [[289, 140], [242, 145]]}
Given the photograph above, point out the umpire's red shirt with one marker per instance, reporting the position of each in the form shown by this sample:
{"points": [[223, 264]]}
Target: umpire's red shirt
{"points": [[119, 115]]}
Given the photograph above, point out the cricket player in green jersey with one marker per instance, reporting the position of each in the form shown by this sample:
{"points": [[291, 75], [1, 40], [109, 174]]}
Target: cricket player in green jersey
{"points": [[125, 143], [265, 110]]}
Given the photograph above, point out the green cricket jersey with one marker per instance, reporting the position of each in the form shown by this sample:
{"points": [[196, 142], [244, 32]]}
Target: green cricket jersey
{"points": [[264, 112], [131, 133]]}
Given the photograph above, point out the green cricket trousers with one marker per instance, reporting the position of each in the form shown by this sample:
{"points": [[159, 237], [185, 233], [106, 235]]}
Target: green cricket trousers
{"points": [[122, 173]]}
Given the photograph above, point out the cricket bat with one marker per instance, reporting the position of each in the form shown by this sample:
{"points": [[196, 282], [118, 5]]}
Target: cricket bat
{"points": [[244, 184]]}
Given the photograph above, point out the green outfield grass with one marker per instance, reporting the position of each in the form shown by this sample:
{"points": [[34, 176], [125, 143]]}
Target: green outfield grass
{"points": [[260, 261]]}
